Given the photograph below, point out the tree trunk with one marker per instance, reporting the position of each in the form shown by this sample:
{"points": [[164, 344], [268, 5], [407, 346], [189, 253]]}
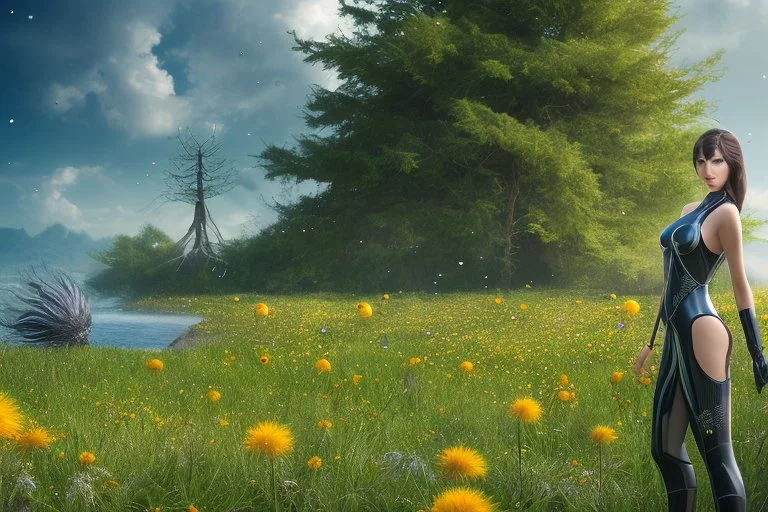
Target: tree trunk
{"points": [[512, 190]]}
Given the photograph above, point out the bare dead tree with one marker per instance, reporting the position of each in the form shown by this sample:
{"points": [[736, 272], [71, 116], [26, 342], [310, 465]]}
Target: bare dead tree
{"points": [[200, 175]]}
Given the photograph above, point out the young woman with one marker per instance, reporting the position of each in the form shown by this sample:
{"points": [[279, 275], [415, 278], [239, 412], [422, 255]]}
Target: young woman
{"points": [[693, 384]]}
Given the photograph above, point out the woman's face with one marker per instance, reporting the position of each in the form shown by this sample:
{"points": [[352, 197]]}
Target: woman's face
{"points": [[713, 172]]}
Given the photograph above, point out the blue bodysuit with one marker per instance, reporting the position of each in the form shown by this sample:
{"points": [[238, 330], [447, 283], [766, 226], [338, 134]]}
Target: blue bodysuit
{"points": [[684, 392]]}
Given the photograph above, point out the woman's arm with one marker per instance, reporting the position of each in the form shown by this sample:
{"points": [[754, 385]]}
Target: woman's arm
{"points": [[730, 238], [729, 234]]}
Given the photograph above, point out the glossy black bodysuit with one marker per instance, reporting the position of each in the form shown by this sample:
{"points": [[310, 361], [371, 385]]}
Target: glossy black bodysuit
{"points": [[684, 392]]}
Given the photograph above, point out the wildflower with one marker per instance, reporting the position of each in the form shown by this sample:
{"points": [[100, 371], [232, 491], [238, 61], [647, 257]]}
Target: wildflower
{"points": [[10, 418], [578, 301], [323, 366], [462, 499], [563, 379], [269, 438], [364, 309], [563, 395], [414, 361], [111, 483], [223, 422], [631, 307], [498, 300], [574, 463], [261, 309], [191, 508], [264, 360], [603, 435], [324, 425], [236, 299], [214, 396], [466, 366], [314, 463], [356, 379], [459, 461], [35, 438], [386, 296], [523, 306], [155, 365], [87, 458], [616, 377], [612, 296], [526, 409], [645, 380]]}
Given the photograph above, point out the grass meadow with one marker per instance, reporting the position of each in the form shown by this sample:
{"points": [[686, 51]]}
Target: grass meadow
{"points": [[377, 420]]}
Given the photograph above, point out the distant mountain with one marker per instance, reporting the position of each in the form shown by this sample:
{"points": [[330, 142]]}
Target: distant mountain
{"points": [[57, 246]]}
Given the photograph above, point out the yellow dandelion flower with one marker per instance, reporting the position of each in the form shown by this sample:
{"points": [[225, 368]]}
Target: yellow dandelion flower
{"points": [[526, 409], [563, 379], [603, 435], [631, 307], [10, 418], [386, 296], [223, 422], [323, 366], [314, 463], [563, 395], [616, 377], [324, 425], [269, 438], [574, 463], [466, 366], [261, 309], [523, 306], [236, 299], [459, 461], [414, 361], [214, 396], [87, 458], [645, 380], [264, 360], [498, 300], [612, 296], [573, 395], [35, 438], [364, 309], [356, 378], [462, 499], [191, 508], [155, 365]]}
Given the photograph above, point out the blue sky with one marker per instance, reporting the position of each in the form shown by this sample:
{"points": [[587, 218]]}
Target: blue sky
{"points": [[97, 91]]}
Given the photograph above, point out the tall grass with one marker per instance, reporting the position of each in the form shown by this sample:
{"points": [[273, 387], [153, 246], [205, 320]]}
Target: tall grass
{"points": [[164, 444]]}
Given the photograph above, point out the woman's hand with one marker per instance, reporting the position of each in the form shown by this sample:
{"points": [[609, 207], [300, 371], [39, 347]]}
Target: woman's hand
{"points": [[641, 357]]}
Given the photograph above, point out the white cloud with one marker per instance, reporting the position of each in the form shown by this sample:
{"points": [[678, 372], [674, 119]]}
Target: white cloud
{"points": [[49, 203]]}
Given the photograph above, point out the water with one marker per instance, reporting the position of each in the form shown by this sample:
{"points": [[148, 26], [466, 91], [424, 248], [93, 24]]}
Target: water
{"points": [[110, 325]]}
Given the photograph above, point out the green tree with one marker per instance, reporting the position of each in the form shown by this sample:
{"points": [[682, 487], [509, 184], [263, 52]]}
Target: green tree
{"points": [[526, 139]]}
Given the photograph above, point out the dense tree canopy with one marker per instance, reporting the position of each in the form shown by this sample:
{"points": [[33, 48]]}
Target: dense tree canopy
{"points": [[480, 143]]}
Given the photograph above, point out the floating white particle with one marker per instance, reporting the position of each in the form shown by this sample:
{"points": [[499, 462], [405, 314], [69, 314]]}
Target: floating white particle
{"points": [[249, 134], [153, 163], [763, 77], [259, 42], [241, 54], [30, 17], [11, 121], [11, 12]]}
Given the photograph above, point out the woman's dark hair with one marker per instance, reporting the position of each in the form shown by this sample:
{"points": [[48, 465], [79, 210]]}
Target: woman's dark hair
{"points": [[728, 144]]}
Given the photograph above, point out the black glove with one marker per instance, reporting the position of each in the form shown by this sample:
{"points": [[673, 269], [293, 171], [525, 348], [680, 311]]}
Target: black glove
{"points": [[755, 346]]}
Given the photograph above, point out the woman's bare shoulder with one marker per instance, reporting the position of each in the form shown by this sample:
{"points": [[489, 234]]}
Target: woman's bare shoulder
{"points": [[689, 207]]}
